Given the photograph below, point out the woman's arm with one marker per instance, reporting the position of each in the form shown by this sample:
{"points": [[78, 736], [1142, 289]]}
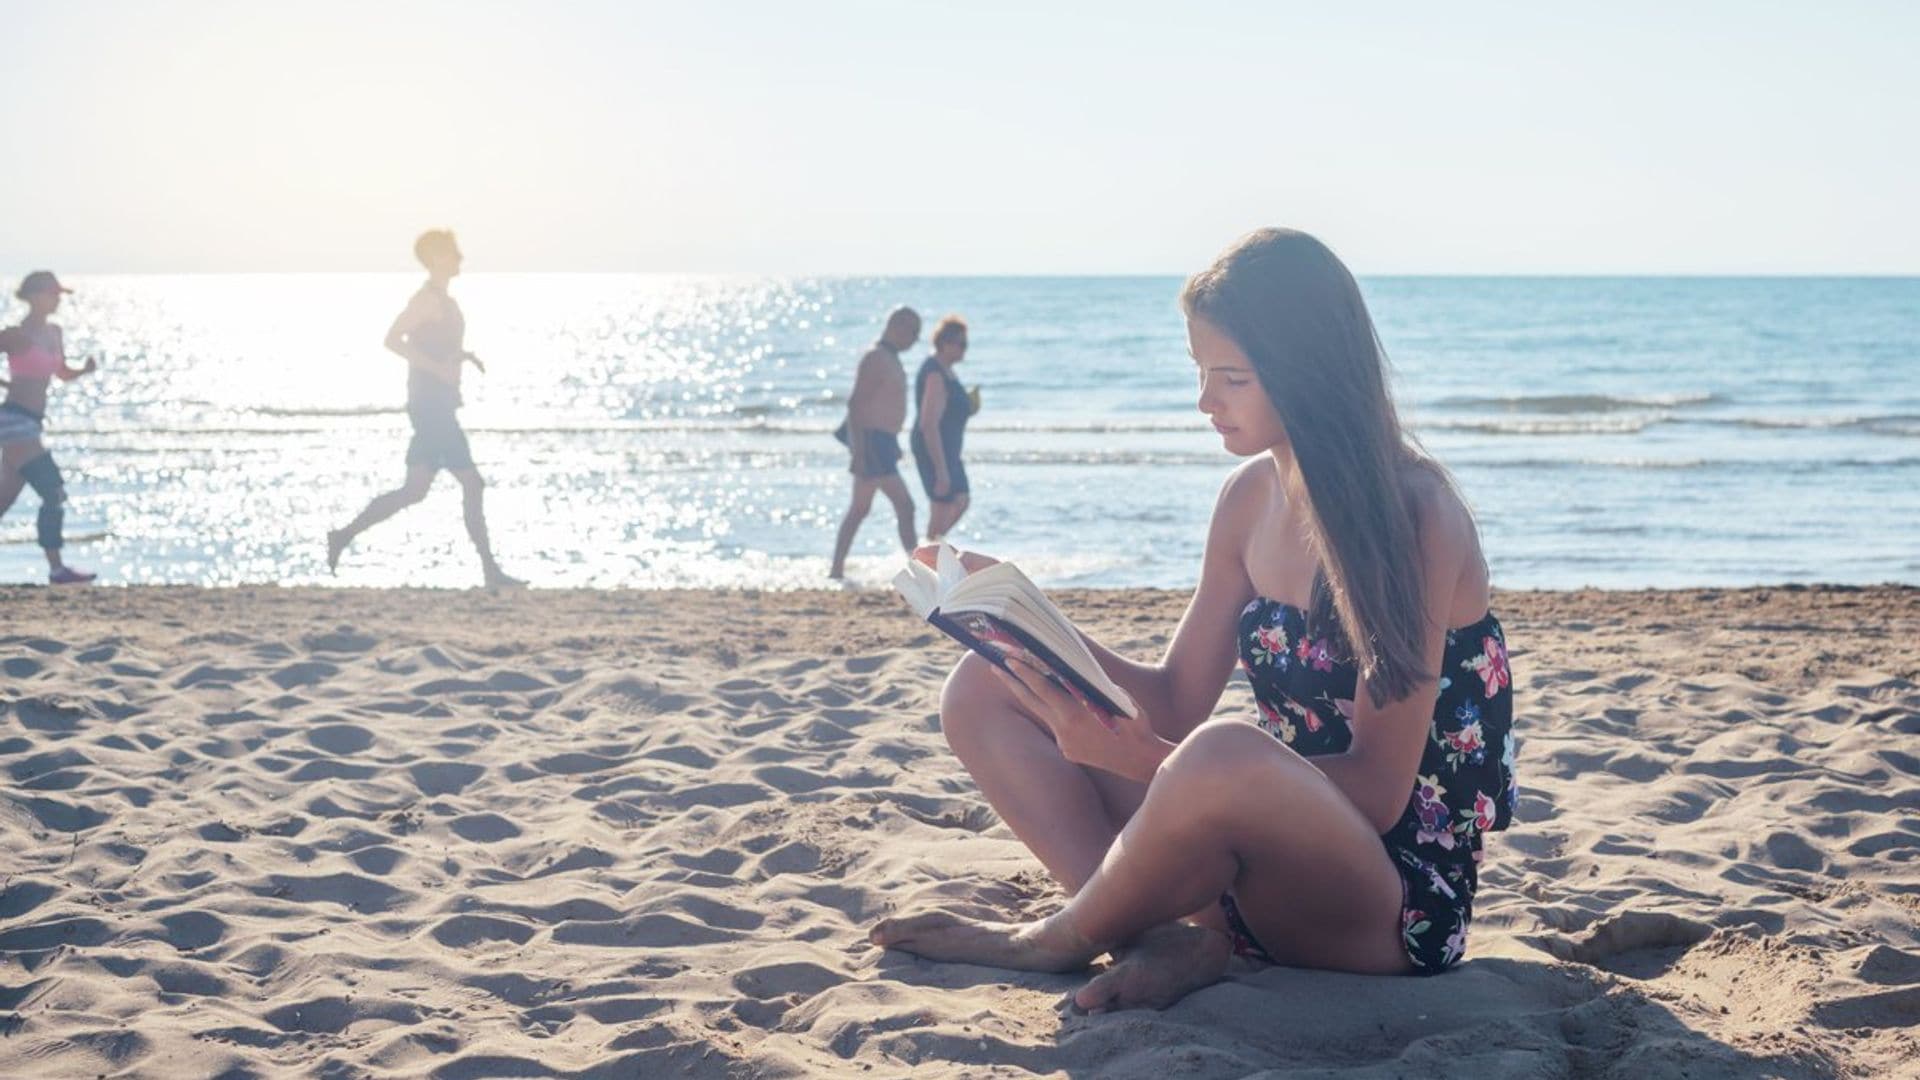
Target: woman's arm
{"points": [[67, 372], [1377, 771]]}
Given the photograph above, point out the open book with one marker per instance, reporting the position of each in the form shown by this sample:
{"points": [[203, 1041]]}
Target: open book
{"points": [[997, 611]]}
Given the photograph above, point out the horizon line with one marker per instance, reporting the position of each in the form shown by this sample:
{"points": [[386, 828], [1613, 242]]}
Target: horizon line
{"points": [[1596, 275]]}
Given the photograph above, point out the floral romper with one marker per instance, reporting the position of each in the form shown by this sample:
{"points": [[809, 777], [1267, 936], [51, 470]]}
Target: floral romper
{"points": [[1465, 785]]}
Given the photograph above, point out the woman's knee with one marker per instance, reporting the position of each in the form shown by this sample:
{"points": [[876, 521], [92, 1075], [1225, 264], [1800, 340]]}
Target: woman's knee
{"points": [[972, 700], [1226, 756]]}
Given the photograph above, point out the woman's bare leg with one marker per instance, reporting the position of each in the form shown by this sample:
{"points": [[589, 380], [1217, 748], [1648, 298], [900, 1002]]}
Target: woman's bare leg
{"points": [[1231, 808], [1066, 814], [945, 516], [12, 456]]}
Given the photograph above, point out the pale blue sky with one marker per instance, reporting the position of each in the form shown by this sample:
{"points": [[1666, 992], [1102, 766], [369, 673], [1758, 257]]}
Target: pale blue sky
{"points": [[976, 137]]}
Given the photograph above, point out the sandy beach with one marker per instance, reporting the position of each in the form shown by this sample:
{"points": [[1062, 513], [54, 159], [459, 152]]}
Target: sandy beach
{"points": [[263, 832]]}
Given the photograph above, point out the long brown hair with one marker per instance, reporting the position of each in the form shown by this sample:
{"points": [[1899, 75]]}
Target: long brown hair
{"points": [[1296, 312]]}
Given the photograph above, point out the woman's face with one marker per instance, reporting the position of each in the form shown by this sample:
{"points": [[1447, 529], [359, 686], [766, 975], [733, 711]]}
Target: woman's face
{"points": [[44, 302], [1231, 394], [952, 350]]}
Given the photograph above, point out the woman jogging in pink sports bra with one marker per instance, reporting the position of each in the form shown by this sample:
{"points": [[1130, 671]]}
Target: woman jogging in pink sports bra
{"points": [[36, 355]]}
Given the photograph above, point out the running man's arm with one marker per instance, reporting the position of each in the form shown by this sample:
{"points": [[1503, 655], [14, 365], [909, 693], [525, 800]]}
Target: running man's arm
{"points": [[418, 313]]}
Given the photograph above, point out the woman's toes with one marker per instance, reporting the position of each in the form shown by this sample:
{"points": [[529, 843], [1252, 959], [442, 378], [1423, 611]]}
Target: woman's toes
{"points": [[1101, 993]]}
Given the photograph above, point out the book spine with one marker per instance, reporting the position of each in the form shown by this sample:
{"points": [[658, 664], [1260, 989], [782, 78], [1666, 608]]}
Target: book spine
{"points": [[1040, 652]]}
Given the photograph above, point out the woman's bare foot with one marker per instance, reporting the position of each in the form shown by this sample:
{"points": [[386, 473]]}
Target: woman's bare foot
{"points": [[1047, 945], [1164, 965]]}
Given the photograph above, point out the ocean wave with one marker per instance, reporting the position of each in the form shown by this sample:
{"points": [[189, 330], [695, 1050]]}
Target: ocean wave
{"points": [[1898, 424], [343, 411], [1578, 403], [1798, 466], [1614, 425]]}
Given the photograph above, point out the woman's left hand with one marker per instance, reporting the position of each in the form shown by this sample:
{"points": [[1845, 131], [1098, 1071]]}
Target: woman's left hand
{"points": [[1087, 735]]}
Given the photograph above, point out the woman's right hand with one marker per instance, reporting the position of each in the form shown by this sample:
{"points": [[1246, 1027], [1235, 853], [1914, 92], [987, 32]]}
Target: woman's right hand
{"points": [[972, 560]]}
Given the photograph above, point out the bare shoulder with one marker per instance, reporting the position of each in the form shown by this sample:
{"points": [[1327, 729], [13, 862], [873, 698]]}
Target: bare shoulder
{"points": [[1248, 487], [882, 364], [1246, 497], [1449, 538]]}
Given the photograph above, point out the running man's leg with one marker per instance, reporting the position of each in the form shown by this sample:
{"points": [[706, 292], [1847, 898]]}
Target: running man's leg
{"points": [[473, 493], [383, 506]]}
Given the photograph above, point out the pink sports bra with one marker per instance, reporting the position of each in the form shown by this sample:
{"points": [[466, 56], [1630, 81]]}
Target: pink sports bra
{"points": [[36, 361]]}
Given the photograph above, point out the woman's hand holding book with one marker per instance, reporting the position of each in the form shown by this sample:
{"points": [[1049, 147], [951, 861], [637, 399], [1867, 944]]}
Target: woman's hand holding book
{"points": [[1087, 735], [929, 555]]}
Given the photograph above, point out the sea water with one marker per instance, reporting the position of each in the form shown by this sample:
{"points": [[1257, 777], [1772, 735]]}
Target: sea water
{"points": [[655, 431]]}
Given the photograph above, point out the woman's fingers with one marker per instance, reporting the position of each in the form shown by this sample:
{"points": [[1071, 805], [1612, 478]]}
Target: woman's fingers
{"points": [[1027, 696], [1059, 702]]}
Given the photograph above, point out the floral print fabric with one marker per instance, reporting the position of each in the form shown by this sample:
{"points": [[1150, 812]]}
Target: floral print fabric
{"points": [[1464, 787]]}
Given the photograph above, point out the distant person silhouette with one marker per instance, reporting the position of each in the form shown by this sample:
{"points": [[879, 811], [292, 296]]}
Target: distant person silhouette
{"points": [[941, 427], [37, 355], [429, 335], [876, 411]]}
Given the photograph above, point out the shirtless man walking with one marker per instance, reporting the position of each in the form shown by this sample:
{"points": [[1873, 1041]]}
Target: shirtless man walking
{"points": [[876, 411]]}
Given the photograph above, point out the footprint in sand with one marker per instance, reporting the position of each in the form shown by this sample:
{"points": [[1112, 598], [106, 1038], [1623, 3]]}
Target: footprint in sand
{"points": [[305, 673], [341, 739], [467, 931], [190, 930], [484, 828], [20, 897], [1636, 944], [443, 777]]}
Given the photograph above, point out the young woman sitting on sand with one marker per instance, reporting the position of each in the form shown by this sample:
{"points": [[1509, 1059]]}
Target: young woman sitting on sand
{"points": [[1344, 571]]}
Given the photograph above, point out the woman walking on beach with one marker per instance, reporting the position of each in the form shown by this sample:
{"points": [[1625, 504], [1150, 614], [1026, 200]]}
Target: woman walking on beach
{"points": [[36, 355], [430, 336], [1342, 568], [941, 427]]}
